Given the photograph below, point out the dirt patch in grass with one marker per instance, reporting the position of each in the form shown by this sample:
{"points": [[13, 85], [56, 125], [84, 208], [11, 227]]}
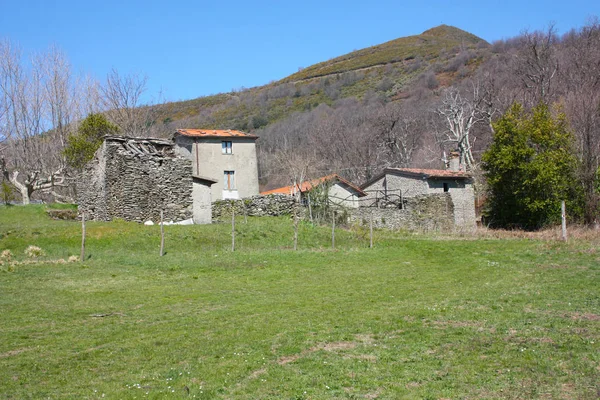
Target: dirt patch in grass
{"points": [[373, 395], [361, 339], [445, 324], [583, 316], [288, 359], [335, 346], [257, 373], [14, 352], [561, 266]]}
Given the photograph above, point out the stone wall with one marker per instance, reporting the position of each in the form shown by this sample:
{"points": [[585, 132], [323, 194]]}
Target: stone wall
{"points": [[256, 206], [133, 179], [433, 212], [426, 212]]}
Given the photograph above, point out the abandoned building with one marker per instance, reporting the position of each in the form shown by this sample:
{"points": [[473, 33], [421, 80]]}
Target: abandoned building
{"points": [[136, 178], [226, 156], [394, 185]]}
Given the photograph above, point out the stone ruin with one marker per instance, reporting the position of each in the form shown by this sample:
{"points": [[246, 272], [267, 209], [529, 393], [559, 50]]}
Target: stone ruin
{"points": [[134, 179]]}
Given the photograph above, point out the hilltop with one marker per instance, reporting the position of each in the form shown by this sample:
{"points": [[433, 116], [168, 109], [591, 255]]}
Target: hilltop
{"points": [[428, 45], [391, 68]]}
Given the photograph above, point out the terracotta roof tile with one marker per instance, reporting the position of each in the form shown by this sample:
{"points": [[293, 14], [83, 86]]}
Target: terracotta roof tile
{"points": [[215, 133], [307, 185]]}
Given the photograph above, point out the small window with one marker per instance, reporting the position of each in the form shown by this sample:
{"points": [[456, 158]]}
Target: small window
{"points": [[229, 180], [226, 147], [445, 186]]}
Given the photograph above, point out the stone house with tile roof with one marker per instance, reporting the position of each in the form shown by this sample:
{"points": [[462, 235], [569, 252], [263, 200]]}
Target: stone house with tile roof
{"points": [[390, 187], [227, 157], [340, 191]]}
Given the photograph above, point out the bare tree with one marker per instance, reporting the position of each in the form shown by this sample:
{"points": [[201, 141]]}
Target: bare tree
{"points": [[36, 117], [122, 98], [581, 85], [460, 114], [57, 91], [536, 64], [399, 131]]}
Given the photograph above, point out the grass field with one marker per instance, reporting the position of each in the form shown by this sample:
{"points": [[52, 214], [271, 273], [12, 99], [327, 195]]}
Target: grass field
{"points": [[421, 317]]}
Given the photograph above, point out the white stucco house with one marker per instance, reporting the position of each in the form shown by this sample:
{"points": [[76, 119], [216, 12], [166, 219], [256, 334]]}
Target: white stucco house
{"points": [[225, 157], [340, 191]]}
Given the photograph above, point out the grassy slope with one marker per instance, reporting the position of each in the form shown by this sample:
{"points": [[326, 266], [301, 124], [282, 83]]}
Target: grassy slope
{"points": [[427, 45], [416, 317], [402, 52]]}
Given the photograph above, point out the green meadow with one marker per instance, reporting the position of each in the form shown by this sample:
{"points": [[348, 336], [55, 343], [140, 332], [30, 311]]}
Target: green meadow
{"points": [[416, 317]]}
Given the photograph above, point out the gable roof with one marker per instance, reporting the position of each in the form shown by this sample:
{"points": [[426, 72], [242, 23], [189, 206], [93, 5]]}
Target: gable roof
{"points": [[215, 133], [420, 173], [307, 185]]}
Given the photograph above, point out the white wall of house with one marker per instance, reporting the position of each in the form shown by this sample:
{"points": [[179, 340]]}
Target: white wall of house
{"points": [[236, 173], [340, 195], [201, 202]]}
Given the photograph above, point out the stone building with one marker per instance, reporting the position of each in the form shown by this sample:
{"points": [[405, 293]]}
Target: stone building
{"points": [[135, 178], [394, 185], [227, 157], [340, 192]]}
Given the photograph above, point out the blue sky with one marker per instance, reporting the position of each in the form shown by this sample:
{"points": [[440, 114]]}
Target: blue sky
{"points": [[196, 48]]}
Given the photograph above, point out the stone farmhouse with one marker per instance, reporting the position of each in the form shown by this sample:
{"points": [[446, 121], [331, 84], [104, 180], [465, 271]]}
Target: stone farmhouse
{"points": [[394, 185], [137, 178], [340, 191], [226, 156]]}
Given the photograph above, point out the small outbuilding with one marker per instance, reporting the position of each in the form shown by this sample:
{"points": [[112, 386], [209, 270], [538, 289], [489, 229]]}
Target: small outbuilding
{"points": [[340, 192], [394, 184]]}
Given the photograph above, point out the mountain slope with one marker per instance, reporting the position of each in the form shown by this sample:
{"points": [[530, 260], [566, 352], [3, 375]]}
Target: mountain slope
{"points": [[390, 69], [427, 45]]}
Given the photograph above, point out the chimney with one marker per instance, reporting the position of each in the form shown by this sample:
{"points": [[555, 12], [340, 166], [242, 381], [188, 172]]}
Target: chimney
{"points": [[454, 163]]}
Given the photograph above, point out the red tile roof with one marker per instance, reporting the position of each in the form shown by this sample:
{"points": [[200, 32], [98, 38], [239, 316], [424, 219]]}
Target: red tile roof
{"points": [[307, 185], [215, 133]]}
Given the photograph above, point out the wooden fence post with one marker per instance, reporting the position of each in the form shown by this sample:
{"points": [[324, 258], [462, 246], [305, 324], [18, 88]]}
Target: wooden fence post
{"points": [[309, 208], [371, 230], [82, 255], [563, 215], [232, 227], [333, 230], [295, 228], [162, 234]]}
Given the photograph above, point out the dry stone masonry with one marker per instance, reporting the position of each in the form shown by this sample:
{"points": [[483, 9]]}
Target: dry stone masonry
{"points": [[257, 206], [432, 212], [134, 179]]}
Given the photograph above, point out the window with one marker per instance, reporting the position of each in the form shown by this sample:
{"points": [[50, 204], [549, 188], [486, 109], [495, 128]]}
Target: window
{"points": [[229, 180], [226, 147], [445, 186]]}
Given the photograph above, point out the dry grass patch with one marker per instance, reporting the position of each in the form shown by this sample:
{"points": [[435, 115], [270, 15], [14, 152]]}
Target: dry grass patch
{"points": [[15, 352]]}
